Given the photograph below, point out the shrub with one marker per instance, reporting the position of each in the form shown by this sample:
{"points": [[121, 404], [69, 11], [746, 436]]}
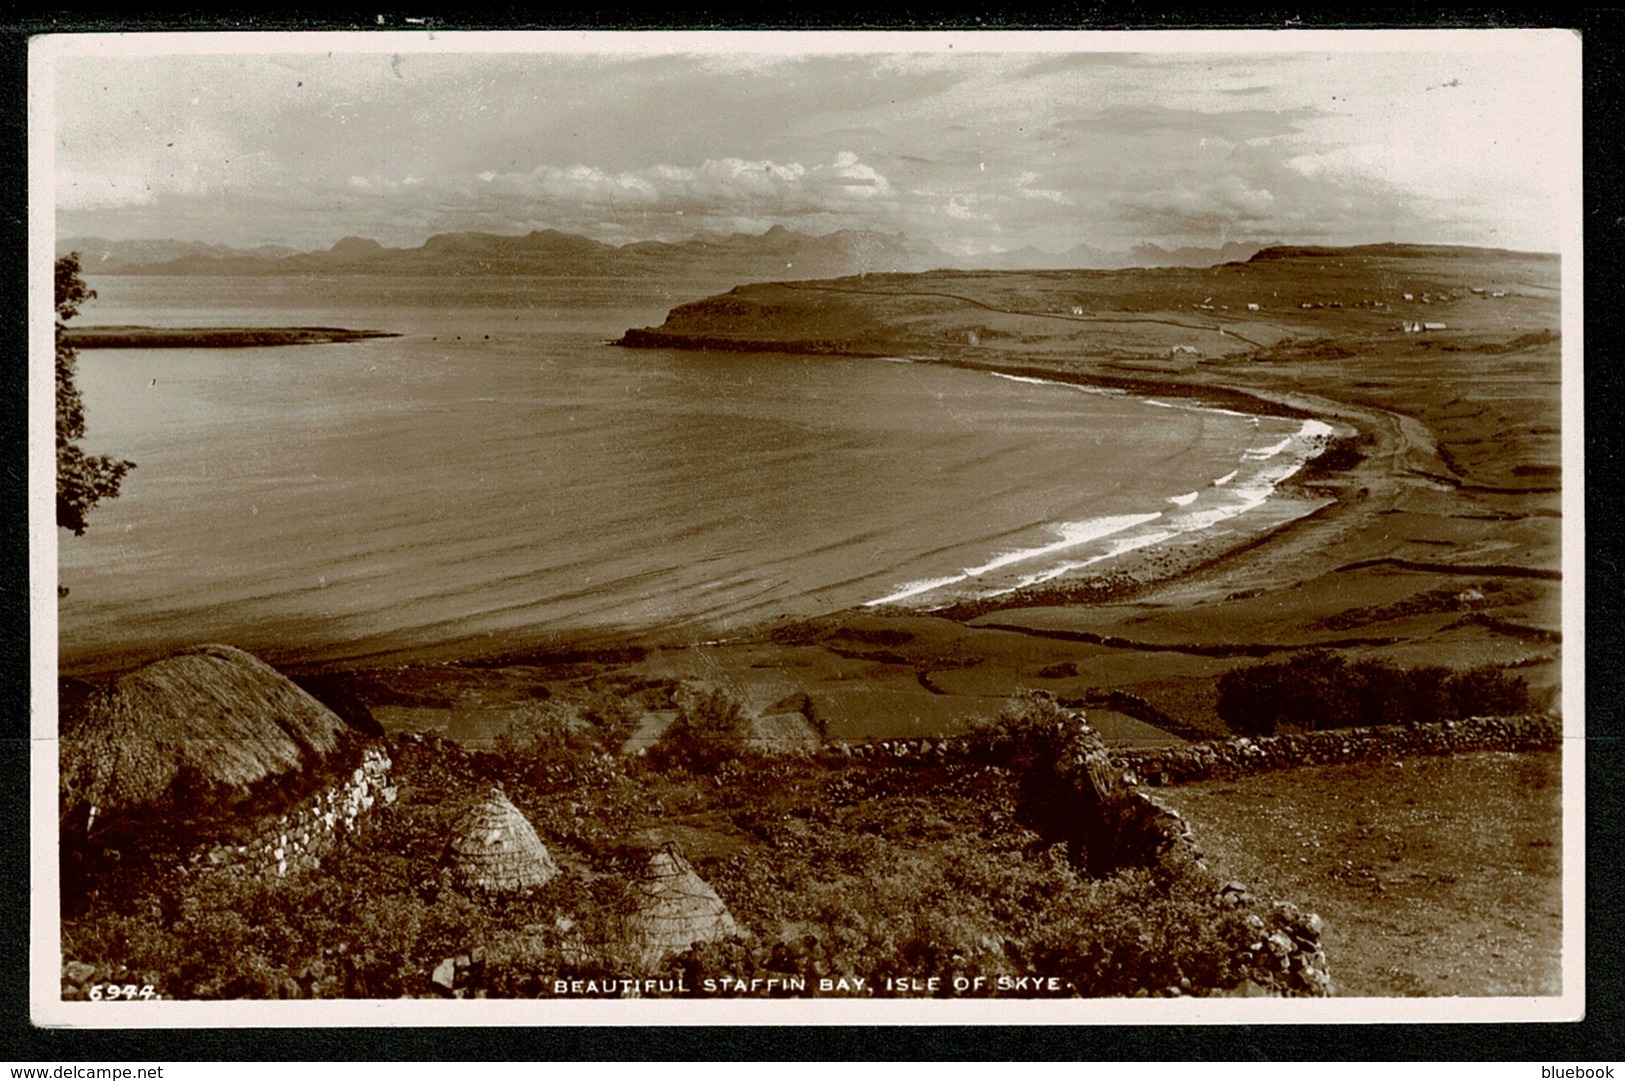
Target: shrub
{"points": [[1486, 692], [548, 746], [1317, 689], [707, 733], [614, 716], [1130, 933], [1026, 734]]}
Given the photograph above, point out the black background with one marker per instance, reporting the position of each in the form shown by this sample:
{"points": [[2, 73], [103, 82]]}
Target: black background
{"points": [[1599, 1037]]}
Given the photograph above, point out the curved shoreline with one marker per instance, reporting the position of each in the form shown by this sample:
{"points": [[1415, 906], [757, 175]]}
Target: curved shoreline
{"points": [[1134, 572]]}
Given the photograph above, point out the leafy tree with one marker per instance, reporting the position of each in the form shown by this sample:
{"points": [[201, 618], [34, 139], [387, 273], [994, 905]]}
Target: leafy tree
{"points": [[82, 480]]}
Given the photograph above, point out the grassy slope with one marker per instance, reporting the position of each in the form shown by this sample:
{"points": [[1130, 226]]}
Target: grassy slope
{"points": [[1436, 876]]}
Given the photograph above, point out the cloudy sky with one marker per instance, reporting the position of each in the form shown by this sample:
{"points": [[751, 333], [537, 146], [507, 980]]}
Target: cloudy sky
{"points": [[975, 142]]}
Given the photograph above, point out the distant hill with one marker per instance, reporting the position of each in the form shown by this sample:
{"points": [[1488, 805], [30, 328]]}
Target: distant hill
{"points": [[780, 254], [1087, 257], [1390, 251], [98, 255]]}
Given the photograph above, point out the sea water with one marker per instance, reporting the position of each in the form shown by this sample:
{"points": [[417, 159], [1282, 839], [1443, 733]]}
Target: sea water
{"points": [[500, 477]]}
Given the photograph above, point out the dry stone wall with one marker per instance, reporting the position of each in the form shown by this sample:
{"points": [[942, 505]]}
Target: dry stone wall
{"points": [[1226, 758], [296, 839], [1109, 824], [1221, 758]]}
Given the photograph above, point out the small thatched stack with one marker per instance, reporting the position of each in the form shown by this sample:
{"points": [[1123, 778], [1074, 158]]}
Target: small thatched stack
{"points": [[220, 719], [676, 908], [496, 848]]}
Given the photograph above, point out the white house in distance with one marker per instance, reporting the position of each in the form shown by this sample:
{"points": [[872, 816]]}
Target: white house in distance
{"points": [[1252, 307]]}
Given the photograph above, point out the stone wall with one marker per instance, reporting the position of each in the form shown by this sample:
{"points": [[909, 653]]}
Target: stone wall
{"points": [[1086, 799], [1220, 758], [1225, 758], [295, 840], [1098, 803]]}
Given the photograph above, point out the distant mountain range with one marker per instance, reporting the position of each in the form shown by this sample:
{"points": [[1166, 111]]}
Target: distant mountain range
{"points": [[780, 254], [1085, 257]]}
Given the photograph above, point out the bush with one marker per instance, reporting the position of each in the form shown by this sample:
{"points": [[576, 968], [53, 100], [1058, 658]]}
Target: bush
{"points": [[1026, 734], [707, 733], [548, 746], [1318, 689]]}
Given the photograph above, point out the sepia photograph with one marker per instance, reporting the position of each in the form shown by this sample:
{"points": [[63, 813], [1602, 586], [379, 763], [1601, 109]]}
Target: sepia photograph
{"points": [[820, 527]]}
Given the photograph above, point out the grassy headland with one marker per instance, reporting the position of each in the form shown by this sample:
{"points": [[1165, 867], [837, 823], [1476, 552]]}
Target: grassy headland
{"points": [[135, 337], [1433, 531]]}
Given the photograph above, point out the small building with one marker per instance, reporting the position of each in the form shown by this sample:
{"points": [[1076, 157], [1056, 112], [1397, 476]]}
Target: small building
{"points": [[1077, 309], [1252, 307], [1408, 296], [1499, 293], [1410, 327], [1434, 326], [1183, 350]]}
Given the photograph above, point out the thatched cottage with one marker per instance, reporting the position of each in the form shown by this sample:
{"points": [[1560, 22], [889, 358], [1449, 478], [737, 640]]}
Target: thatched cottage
{"points": [[207, 724]]}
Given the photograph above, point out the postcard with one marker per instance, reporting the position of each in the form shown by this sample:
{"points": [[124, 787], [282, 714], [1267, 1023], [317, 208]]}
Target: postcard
{"points": [[627, 528]]}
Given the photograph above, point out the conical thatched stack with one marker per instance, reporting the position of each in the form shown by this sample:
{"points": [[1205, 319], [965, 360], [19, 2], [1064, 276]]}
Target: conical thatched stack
{"points": [[676, 908], [496, 847], [220, 717]]}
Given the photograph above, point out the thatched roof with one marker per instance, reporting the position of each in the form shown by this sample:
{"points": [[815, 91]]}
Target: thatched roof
{"points": [[494, 846], [220, 717], [675, 908]]}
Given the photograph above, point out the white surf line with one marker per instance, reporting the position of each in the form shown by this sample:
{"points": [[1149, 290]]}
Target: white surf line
{"points": [[914, 589], [1261, 454], [1252, 493], [1078, 533], [1072, 535], [1081, 388]]}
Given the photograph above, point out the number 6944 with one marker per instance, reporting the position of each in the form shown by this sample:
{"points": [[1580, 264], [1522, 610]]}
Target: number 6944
{"points": [[112, 992]]}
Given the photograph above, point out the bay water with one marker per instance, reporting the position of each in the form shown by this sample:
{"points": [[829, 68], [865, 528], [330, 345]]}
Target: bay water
{"points": [[500, 477]]}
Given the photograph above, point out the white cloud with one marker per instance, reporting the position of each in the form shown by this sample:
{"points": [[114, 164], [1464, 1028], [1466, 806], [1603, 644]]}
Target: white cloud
{"points": [[1076, 148]]}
